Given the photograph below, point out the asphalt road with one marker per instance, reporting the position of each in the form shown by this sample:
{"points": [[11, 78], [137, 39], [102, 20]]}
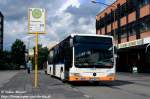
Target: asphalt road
{"points": [[128, 86]]}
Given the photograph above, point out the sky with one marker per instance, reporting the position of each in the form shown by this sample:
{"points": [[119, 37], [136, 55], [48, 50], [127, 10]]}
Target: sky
{"points": [[63, 17]]}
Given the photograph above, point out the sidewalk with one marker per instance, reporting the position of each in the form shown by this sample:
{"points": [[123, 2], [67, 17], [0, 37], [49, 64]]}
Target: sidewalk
{"points": [[6, 75], [21, 86]]}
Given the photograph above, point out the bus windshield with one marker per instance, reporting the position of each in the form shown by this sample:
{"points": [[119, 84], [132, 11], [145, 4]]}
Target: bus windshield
{"points": [[93, 52]]}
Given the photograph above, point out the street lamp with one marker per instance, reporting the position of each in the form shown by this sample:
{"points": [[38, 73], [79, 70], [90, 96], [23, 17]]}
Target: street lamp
{"points": [[93, 1], [114, 6]]}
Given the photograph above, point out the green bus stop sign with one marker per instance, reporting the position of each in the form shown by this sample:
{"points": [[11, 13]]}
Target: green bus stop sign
{"points": [[36, 13]]}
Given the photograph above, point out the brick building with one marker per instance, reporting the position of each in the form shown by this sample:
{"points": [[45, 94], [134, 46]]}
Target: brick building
{"points": [[129, 22], [1, 30]]}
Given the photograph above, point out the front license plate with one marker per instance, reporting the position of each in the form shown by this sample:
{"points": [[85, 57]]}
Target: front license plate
{"points": [[93, 79]]}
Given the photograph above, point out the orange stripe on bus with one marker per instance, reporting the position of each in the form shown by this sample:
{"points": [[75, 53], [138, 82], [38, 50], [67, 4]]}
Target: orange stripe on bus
{"points": [[86, 78]]}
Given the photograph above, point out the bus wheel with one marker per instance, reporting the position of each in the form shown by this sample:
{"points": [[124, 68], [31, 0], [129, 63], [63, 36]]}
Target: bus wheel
{"points": [[62, 78], [46, 72]]}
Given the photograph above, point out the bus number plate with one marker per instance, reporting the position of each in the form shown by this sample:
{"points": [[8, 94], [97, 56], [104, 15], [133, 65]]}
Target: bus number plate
{"points": [[93, 79]]}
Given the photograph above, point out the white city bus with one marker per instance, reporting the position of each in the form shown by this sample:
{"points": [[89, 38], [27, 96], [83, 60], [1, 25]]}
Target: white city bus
{"points": [[83, 57]]}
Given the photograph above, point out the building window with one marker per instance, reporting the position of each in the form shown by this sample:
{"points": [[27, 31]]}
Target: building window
{"points": [[131, 5], [123, 10], [112, 33], [109, 34], [143, 27], [132, 29], [100, 23], [148, 25], [0, 33], [1, 40], [97, 24], [144, 24], [117, 31], [117, 13], [123, 32], [143, 2]]}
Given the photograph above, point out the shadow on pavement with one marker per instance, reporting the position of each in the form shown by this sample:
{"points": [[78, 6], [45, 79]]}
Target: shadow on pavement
{"points": [[87, 83]]}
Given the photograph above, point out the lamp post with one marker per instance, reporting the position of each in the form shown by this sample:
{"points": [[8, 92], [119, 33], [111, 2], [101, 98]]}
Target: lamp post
{"points": [[114, 6]]}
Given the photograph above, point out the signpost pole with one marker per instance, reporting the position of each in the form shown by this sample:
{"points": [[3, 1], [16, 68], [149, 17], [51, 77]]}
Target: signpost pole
{"points": [[36, 25], [36, 62]]}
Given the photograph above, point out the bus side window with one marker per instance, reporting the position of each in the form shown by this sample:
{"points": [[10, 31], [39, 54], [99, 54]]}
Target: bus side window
{"points": [[115, 50], [147, 52], [50, 57]]}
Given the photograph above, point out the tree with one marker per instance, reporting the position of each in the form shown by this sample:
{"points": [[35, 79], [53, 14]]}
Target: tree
{"points": [[42, 56], [18, 53], [6, 61]]}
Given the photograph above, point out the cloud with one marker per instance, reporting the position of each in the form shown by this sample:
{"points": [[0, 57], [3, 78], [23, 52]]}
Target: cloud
{"points": [[13, 30], [68, 3], [63, 17], [109, 2]]}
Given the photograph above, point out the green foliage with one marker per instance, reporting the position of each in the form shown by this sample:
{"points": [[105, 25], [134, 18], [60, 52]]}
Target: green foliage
{"points": [[42, 56], [6, 61], [12, 60], [18, 53]]}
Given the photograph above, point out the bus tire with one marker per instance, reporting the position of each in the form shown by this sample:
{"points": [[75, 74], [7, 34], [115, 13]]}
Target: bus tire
{"points": [[62, 79], [46, 72]]}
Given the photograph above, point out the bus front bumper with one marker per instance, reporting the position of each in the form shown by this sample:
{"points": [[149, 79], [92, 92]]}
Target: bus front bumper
{"points": [[86, 78]]}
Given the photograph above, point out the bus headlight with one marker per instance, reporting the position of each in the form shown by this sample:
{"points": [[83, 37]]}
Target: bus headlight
{"points": [[111, 74]]}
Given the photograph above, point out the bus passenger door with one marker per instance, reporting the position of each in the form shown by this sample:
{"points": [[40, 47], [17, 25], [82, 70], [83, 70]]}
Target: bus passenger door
{"points": [[68, 61]]}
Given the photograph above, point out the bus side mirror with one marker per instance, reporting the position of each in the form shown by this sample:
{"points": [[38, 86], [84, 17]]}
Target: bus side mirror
{"points": [[71, 42], [147, 51], [115, 51]]}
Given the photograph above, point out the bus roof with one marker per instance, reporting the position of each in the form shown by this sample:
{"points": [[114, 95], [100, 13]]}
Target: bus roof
{"points": [[75, 34]]}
